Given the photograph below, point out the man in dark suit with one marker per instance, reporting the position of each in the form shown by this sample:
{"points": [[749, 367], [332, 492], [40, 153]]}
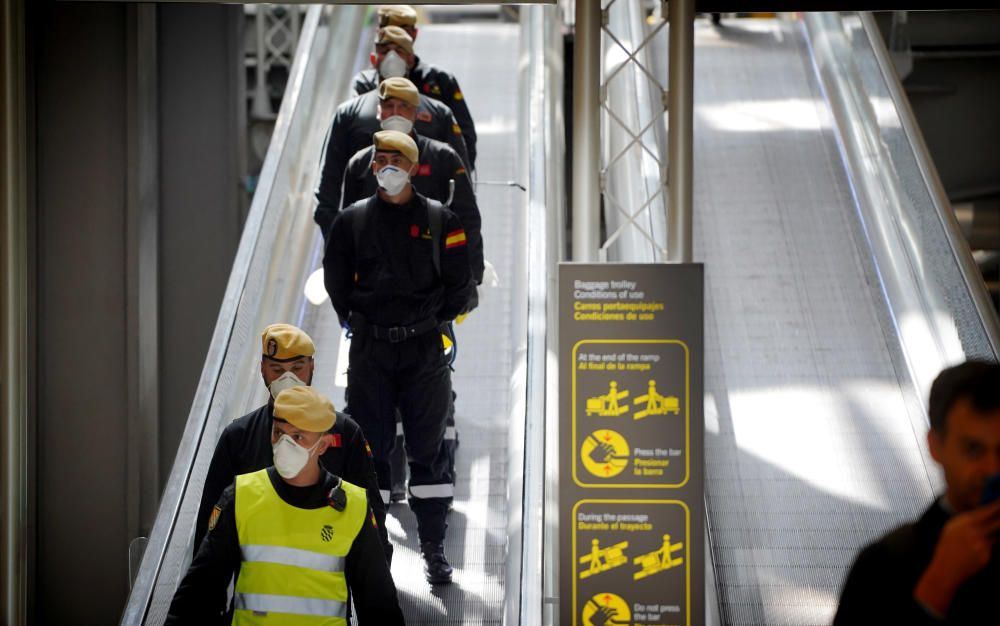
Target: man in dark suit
{"points": [[943, 568]]}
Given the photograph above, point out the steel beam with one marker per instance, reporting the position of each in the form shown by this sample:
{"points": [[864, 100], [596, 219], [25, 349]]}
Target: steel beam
{"points": [[586, 131], [680, 133]]}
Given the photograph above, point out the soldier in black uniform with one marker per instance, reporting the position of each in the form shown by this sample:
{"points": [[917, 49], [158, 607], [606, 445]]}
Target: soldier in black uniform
{"points": [[351, 130], [397, 270], [299, 536], [441, 176], [245, 444], [431, 80]]}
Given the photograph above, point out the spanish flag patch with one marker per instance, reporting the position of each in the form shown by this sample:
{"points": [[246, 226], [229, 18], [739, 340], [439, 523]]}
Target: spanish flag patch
{"points": [[458, 95], [455, 239], [213, 519], [459, 171], [455, 128]]}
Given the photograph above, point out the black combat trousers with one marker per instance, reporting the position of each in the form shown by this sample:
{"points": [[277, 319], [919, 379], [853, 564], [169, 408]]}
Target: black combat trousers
{"points": [[413, 377]]}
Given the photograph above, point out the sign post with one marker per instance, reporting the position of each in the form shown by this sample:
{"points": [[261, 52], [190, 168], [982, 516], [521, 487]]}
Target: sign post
{"points": [[631, 444]]}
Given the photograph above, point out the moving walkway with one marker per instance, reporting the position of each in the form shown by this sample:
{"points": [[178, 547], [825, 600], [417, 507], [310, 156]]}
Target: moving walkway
{"points": [[836, 287]]}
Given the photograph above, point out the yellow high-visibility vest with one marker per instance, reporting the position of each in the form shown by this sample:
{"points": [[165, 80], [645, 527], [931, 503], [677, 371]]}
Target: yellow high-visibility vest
{"points": [[293, 559]]}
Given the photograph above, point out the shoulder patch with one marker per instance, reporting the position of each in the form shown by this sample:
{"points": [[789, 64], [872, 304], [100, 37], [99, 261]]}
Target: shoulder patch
{"points": [[374, 521], [368, 449], [455, 128], [214, 518], [424, 116], [458, 95], [460, 171], [455, 239]]}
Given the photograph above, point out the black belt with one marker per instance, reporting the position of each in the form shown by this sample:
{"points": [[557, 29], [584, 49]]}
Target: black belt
{"points": [[395, 334]]}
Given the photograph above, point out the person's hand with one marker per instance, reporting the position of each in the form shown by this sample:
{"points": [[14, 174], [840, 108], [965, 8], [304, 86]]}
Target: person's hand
{"points": [[963, 550]]}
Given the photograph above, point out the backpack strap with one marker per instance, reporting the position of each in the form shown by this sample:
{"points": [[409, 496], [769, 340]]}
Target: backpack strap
{"points": [[358, 224], [435, 215]]}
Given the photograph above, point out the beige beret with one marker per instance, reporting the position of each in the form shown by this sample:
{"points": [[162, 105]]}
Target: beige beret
{"points": [[284, 342], [397, 15], [306, 409], [396, 35], [395, 141], [399, 87]]}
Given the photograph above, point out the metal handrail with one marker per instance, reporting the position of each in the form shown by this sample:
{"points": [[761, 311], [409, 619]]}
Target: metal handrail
{"points": [[278, 225], [541, 146], [937, 322], [949, 222]]}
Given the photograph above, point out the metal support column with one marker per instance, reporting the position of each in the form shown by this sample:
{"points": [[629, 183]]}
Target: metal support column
{"points": [[15, 362], [679, 137], [142, 254], [586, 131]]}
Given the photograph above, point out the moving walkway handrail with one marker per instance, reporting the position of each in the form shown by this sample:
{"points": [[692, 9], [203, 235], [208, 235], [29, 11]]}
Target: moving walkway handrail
{"points": [[279, 226], [935, 295], [942, 205], [541, 149]]}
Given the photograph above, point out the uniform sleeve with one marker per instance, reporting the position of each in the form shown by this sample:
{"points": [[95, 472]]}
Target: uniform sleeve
{"points": [[334, 159], [369, 580], [338, 273], [455, 138], [877, 592], [354, 177], [452, 96], [221, 474], [455, 271], [360, 470], [202, 595], [464, 205]]}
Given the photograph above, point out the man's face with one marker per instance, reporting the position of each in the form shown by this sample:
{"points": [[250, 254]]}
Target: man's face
{"points": [[968, 451], [392, 158], [394, 106], [303, 438], [382, 49], [272, 370]]}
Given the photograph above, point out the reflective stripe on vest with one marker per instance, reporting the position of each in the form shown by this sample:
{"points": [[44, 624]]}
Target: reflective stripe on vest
{"points": [[293, 559]]}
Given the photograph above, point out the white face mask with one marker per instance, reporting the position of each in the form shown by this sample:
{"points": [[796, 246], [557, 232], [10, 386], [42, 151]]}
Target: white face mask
{"points": [[392, 65], [285, 381], [290, 457], [392, 179], [397, 122]]}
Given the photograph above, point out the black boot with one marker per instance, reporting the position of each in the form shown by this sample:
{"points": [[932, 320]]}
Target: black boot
{"points": [[436, 567]]}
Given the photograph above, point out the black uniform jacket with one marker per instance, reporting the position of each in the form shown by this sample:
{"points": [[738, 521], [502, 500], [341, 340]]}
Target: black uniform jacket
{"points": [[434, 82], [199, 598], [439, 164], [353, 126], [245, 446], [879, 588], [390, 278]]}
